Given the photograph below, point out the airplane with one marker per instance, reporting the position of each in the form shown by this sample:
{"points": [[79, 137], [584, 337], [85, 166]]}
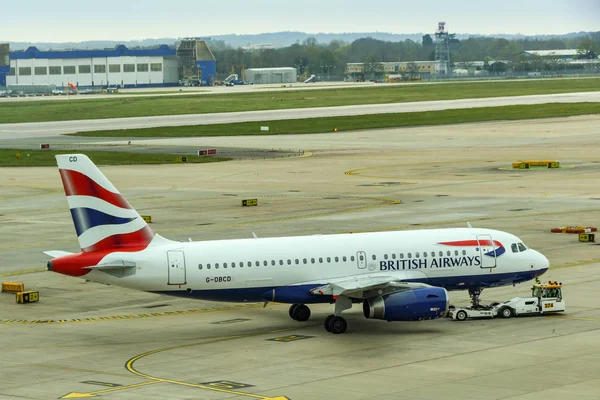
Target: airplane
{"points": [[396, 275]]}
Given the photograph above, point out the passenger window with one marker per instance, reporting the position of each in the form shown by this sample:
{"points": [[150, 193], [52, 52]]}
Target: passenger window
{"points": [[224, 265], [207, 266], [344, 259], [352, 258], [328, 259], [455, 252], [448, 253], [433, 254], [217, 265], [393, 256], [265, 263], [424, 254], [199, 266], [249, 263], [297, 261], [289, 261], [374, 257], [320, 259], [408, 255], [441, 254], [257, 263], [280, 262], [401, 256], [232, 265], [416, 255], [514, 248], [273, 262], [304, 260], [464, 252], [385, 256], [312, 260], [522, 247], [337, 259]]}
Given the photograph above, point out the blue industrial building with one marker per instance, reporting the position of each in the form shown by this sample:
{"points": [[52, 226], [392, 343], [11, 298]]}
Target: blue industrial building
{"points": [[122, 67]]}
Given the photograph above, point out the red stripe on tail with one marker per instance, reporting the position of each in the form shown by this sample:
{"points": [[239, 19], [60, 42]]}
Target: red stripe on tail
{"points": [[78, 184], [139, 240]]}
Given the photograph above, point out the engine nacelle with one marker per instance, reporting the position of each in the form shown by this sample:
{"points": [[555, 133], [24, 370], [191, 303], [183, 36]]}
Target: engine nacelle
{"points": [[408, 305]]}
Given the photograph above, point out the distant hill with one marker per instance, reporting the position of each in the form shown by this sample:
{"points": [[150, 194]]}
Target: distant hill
{"points": [[278, 39]]}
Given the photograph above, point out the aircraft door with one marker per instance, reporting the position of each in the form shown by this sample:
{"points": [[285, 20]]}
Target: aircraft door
{"points": [[487, 250], [176, 265], [361, 260]]}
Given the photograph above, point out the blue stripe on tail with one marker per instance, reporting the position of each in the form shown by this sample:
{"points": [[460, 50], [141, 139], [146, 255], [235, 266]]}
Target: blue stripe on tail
{"points": [[86, 218]]}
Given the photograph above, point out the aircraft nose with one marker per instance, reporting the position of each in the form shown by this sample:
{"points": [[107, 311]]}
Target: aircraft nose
{"points": [[545, 263], [541, 262]]}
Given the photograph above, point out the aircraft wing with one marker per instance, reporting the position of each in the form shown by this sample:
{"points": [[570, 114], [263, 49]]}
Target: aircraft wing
{"points": [[366, 286]]}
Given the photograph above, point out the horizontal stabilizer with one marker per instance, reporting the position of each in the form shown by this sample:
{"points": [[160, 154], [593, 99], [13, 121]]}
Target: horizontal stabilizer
{"points": [[56, 253], [110, 265]]}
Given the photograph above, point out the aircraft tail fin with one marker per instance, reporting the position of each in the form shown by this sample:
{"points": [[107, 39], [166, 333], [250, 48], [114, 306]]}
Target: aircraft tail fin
{"points": [[103, 218]]}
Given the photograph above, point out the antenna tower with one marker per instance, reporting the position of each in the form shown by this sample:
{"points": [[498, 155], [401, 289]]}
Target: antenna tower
{"points": [[442, 50]]}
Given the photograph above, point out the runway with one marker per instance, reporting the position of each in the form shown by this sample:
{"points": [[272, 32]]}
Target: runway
{"points": [[53, 129], [210, 90], [85, 339]]}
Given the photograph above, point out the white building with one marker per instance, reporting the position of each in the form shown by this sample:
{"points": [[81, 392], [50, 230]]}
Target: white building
{"points": [[272, 75], [95, 68]]}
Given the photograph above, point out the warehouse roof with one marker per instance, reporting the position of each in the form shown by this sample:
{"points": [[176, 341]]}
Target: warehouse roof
{"points": [[552, 53], [118, 51]]}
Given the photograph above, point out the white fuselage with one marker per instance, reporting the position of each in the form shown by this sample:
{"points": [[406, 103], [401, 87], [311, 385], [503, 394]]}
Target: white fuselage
{"points": [[245, 269]]}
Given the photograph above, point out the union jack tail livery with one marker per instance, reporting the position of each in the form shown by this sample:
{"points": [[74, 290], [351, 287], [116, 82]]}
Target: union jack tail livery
{"points": [[103, 219]]}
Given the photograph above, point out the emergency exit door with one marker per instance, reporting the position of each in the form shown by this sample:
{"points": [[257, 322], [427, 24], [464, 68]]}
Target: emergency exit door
{"points": [[361, 260], [176, 265]]}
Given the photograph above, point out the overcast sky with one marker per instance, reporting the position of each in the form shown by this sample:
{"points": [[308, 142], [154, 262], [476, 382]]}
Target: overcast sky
{"points": [[79, 20]]}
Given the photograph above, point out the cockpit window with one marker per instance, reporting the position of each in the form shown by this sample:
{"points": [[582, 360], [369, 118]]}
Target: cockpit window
{"points": [[514, 248], [522, 247]]}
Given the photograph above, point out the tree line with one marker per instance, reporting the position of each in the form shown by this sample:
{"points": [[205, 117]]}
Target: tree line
{"points": [[330, 59]]}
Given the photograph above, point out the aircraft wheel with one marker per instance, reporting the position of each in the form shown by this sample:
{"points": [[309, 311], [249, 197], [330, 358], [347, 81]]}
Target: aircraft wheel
{"points": [[327, 321], [301, 313], [461, 315], [337, 325], [506, 312], [292, 311]]}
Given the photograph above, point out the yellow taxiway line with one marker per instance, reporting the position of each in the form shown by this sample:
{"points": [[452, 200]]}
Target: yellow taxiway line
{"points": [[152, 380]]}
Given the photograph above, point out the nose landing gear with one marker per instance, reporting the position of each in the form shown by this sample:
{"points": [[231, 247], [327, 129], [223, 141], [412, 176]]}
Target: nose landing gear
{"points": [[474, 293]]}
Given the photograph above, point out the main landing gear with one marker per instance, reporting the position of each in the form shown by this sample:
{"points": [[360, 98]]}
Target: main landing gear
{"points": [[299, 312], [334, 323]]}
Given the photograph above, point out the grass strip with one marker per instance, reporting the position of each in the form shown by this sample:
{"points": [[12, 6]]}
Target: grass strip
{"points": [[118, 107], [372, 121], [45, 158]]}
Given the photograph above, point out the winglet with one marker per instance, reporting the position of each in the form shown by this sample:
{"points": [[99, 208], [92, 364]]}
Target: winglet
{"points": [[469, 225]]}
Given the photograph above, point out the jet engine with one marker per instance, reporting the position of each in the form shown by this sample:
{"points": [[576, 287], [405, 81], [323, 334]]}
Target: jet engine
{"points": [[408, 305]]}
